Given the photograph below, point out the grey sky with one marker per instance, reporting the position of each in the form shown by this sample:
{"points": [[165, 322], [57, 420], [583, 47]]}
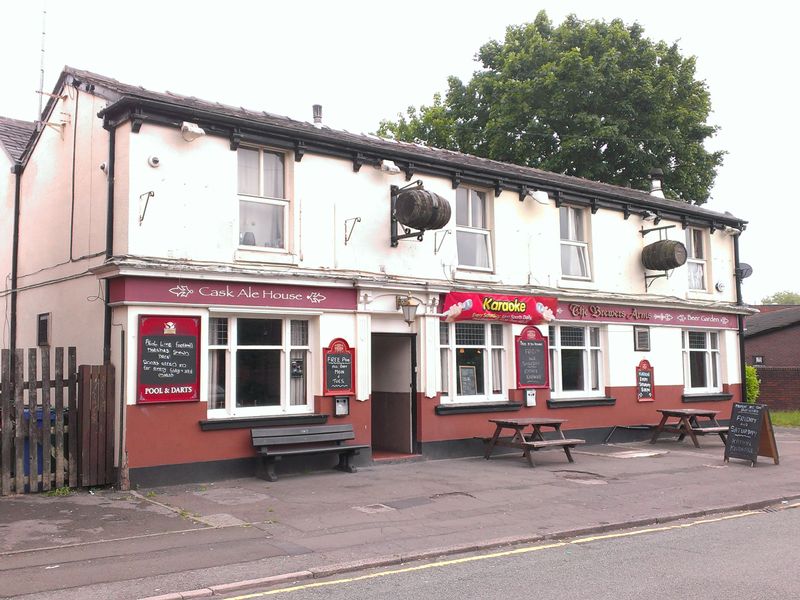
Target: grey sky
{"points": [[364, 61]]}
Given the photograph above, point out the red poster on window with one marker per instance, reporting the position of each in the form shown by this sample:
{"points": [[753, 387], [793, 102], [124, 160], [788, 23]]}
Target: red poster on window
{"points": [[169, 359]]}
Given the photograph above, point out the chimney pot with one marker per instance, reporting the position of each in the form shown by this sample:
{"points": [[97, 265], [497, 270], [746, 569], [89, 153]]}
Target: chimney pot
{"points": [[317, 113]]}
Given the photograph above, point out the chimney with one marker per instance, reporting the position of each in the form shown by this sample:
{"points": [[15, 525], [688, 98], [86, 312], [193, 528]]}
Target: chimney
{"points": [[656, 178], [317, 108]]}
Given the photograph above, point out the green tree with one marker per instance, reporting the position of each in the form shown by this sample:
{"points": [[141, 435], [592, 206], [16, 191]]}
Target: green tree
{"points": [[587, 98], [785, 297]]}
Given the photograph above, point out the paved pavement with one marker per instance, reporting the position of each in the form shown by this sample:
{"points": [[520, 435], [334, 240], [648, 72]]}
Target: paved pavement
{"points": [[207, 539]]}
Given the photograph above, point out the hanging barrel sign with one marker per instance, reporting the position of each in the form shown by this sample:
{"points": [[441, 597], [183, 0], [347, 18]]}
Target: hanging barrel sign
{"points": [[421, 209], [169, 361], [339, 369], [644, 382], [532, 356], [664, 255]]}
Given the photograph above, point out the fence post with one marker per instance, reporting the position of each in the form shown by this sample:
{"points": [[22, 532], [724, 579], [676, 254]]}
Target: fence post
{"points": [[59, 398], [46, 431], [6, 405], [72, 392], [19, 430]]}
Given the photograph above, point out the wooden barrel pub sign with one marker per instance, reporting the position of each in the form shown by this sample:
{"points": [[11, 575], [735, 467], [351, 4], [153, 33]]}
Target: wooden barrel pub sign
{"points": [[339, 369]]}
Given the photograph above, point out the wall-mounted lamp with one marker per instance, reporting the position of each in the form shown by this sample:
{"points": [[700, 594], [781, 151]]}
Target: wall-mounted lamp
{"points": [[409, 306], [191, 131]]}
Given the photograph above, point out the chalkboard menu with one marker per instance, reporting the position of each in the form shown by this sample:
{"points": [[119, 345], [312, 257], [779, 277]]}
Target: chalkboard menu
{"points": [[750, 433], [339, 368], [645, 388], [467, 379], [169, 365], [532, 356]]}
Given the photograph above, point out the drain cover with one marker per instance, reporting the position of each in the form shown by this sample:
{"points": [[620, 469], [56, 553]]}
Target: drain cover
{"points": [[582, 477], [374, 508]]}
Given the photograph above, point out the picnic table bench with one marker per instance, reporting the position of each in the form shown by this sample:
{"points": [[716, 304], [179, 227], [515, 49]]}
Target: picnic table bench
{"points": [[688, 424], [530, 442], [273, 443]]}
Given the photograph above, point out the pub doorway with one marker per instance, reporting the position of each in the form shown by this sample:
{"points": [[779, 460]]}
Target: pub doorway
{"points": [[394, 393]]}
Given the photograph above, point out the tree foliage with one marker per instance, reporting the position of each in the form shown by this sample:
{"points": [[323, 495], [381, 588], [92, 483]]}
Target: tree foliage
{"points": [[587, 98], [785, 297], [752, 384]]}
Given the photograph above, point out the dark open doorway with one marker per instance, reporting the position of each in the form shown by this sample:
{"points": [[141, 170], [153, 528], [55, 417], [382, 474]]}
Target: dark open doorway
{"points": [[394, 393]]}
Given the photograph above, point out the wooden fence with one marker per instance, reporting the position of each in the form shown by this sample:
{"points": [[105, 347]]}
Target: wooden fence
{"points": [[56, 425]]}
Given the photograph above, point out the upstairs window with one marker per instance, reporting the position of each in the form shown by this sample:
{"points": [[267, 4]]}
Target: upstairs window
{"points": [[574, 243], [263, 205], [473, 233], [696, 258]]}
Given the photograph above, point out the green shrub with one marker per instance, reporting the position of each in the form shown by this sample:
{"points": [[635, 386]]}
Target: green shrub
{"points": [[752, 384]]}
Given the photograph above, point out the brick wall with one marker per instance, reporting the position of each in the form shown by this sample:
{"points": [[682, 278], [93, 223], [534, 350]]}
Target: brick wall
{"points": [[780, 387], [780, 348]]}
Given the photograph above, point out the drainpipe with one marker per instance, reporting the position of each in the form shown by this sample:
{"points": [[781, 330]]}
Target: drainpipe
{"points": [[739, 318], [17, 170], [112, 131]]}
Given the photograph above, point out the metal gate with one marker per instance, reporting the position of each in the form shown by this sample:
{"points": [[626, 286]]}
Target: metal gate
{"points": [[56, 421]]}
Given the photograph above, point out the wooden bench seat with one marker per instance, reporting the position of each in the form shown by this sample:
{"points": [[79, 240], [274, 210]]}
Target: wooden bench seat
{"points": [[719, 429], [272, 443]]}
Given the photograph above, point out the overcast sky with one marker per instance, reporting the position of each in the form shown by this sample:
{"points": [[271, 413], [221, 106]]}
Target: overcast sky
{"points": [[364, 61]]}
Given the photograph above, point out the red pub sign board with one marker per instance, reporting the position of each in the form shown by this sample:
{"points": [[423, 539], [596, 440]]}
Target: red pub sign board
{"points": [[339, 364], [525, 310], [645, 386], [647, 315], [169, 359], [532, 359], [202, 292]]}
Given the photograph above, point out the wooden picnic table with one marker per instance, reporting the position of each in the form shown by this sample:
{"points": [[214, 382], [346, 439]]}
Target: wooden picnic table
{"points": [[531, 441], [688, 424]]}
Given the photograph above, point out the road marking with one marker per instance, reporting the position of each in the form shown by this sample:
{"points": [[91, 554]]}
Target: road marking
{"points": [[504, 553]]}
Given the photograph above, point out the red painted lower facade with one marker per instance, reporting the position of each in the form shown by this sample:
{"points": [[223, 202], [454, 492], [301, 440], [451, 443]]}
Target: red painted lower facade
{"points": [[399, 414]]}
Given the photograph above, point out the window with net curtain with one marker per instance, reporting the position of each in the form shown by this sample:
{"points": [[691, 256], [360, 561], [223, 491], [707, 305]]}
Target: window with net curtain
{"points": [[696, 258], [473, 351], [473, 236], [263, 207], [576, 361], [574, 243]]}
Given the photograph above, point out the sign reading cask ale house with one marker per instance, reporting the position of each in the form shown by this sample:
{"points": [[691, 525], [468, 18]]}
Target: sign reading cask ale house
{"points": [[644, 382], [532, 355], [339, 364], [169, 361]]}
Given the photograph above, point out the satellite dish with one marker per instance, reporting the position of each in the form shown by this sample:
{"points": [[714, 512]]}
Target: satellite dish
{"points": [[745, 270]]}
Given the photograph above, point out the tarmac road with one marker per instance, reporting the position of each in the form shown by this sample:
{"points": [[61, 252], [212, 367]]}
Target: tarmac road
{"points": [[114, 545], [742, 555]]}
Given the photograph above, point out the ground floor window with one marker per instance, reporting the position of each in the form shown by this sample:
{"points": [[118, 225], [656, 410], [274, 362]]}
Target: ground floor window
{"points": [[701, 364], [576, 361], [472, 358], [257, 365]]}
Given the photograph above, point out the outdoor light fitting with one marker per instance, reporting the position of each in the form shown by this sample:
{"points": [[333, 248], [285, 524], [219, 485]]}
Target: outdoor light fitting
{"points": [[409, 306]]}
